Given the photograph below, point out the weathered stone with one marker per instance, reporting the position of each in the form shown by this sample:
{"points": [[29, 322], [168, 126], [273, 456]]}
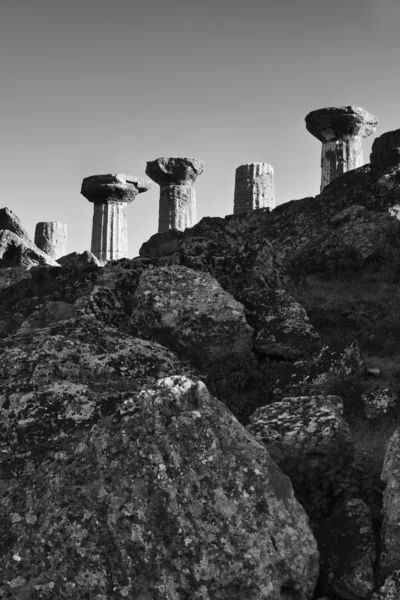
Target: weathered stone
{"points": [[52, 312], [16, 251], [308, 439], [347, 546], [341, 130], [176, 177], [390, 536], [385, 150], [111, 194], [189, 312], [380, 403], [390, 590], [161, 494], [51, 238], [10, 221], [80, 261], [254, 187]]}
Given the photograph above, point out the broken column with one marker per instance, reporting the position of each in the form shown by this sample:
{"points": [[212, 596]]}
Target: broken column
{"points": [[341, 130], [51, 237], [176, 177], [111, 194], [254, 187]]}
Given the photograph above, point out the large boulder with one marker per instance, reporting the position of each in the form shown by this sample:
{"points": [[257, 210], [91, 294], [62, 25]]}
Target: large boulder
{"points": [[237, 253], [10, 222], [17, 251], [310, 441], [347, 545], [191, 313], [162, 495], [390, 538]]}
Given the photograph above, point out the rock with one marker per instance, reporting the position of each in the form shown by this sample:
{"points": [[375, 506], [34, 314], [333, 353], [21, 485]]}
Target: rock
{"points": [[165, 494], [176, 177], [16, 251], [390, 536], [346, 543], [103, 305], [80, 261], [51, 312], [390, 590], [10, 222], [375, 372], [190, 313], [51, 238], [385, 150], [380, 403], [236, 252], [310, 441]]}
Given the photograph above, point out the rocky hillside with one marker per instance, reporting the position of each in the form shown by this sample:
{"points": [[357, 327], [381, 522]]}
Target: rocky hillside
{"points": [[214, 419]]}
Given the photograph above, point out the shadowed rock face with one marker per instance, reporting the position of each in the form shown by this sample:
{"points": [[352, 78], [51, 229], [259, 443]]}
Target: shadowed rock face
{"points": [[386, 149], [174, 171], [335, 123], [10, 222]]}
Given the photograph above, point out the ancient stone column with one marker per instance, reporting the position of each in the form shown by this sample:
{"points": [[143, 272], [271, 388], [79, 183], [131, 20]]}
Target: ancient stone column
{"points": [[385, 151], [51, 237], [176, 177], [341, 130], [111, 194], [254, 187]]}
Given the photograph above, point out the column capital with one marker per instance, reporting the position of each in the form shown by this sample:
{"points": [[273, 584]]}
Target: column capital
{"points": [[174, 171], [113, 187], [340, 123]]}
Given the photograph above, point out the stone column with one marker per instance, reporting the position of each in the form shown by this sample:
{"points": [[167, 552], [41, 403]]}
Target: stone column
{"points": [[111, 194], [51, 237], [176, 177], [341, 130], [254, 187]]}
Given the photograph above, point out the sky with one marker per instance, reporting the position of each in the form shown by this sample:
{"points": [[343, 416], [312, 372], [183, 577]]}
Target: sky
{"points": [[93, 86]]}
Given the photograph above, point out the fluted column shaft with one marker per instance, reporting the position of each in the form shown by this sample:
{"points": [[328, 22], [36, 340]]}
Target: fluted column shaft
{"points": [[177, 207], [340, 156], [110, 231], [51, 237], [254, 187]]}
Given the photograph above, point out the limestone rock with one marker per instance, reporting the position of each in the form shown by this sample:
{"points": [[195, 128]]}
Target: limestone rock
{"points": [[16, 251], [190, 313], [390, 590], [380, 403], [334, 123], [80, 261], [165, 495], [390, 536], [10, 222], [346, 543], [51, 238], [52, 312], [385, 150], [309, 440]]}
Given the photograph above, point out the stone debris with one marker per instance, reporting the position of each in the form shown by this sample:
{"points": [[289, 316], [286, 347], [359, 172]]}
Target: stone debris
{"points": [[10, 221], [111, 194], [341, 130], [16, 251], [380, 403], [176, 177], [254, 187]]}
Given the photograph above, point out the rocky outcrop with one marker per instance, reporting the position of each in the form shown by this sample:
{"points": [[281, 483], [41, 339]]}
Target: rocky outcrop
{"points": [[190, 313], [310, 441], [237, 253], [16, 251], [346, 543], [80, 260], [380, 403], [390, 539], [161, 491], [10, 222]]}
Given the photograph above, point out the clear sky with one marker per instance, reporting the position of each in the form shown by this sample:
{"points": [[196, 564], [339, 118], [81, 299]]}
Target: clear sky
{"points": [[94, 86]]}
